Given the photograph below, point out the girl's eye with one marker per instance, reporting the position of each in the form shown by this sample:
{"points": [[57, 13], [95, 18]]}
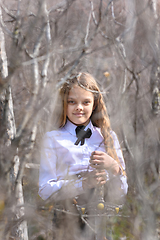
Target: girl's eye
{"points": [[86, 102], [71, 102]]}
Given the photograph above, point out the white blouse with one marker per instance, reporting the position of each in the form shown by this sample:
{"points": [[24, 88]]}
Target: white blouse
{"points": [[62, 160]]}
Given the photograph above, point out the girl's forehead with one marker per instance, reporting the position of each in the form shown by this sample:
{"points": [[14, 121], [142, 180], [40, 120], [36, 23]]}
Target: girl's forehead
{"points": [[79, 91]]}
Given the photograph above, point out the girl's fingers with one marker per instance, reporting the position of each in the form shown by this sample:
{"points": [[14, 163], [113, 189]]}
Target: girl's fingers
{"points": [[98, 164], [97, 153], [101, 180], [96, 161], [100, 173], [94, 178], [96, 158]]}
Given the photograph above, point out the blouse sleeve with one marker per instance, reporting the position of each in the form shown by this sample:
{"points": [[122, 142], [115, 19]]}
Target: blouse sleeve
{"points": [[123, 178], [49, 184]]}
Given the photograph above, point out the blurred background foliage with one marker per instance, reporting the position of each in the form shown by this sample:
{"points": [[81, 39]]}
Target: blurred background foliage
{"points": [[42, 42]]}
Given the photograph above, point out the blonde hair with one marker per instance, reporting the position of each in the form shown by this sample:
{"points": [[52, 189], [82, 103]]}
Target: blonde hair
{"points": [[99, 115]]}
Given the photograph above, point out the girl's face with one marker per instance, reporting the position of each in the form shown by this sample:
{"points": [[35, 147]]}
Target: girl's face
{"points": [[79, 105]]}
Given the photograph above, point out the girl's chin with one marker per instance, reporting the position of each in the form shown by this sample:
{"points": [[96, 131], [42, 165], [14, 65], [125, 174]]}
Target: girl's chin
{"points": [[78, 123]]}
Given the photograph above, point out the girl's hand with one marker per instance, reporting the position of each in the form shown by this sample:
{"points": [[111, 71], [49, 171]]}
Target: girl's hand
{"points": [[101, 160], [93, 179]]}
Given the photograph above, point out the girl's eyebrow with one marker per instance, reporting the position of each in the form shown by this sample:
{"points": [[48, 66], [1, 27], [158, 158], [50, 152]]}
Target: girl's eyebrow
{"points": [[71, 98], [76, 98]]}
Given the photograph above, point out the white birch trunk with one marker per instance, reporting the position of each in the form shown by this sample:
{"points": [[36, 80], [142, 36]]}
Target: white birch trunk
{"points": [[22, 228], [11, 131]]}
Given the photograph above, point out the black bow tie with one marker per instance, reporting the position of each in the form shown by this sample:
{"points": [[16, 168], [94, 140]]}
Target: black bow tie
{"points": [[82, 134]]}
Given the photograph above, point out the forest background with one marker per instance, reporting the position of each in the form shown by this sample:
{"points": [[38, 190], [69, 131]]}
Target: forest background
{"points": [[42, 42]]}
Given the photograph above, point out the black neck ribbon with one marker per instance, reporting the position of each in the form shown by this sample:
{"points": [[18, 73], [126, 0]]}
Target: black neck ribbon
{"points": [[81, 134]]}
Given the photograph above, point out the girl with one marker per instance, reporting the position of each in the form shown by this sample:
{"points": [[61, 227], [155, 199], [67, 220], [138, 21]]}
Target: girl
{"points": [[83, 153]]}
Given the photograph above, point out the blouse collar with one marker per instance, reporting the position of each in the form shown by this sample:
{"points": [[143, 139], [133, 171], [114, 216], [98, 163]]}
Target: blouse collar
{"points": [[70, 127]]}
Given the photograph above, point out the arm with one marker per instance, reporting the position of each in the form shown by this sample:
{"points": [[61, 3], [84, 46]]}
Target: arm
{"points": [[123, 177], [49, 183], [101, 160]]}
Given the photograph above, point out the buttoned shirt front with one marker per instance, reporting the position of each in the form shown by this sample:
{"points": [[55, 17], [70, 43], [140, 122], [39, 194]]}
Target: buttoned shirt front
{"points": [[62, 160]]}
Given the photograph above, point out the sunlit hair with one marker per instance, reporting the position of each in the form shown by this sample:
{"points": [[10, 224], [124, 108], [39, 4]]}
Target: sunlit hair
{"points": [[99, 115]]}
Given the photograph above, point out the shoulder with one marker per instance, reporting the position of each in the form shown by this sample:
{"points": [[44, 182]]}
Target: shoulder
{"points": [[51, 137], [97, 129], [115, 139], [96, 133], [54, 133], [114, 135]]}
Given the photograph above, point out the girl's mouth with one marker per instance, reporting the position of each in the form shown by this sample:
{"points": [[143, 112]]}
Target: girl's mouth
{"points": [[78, 114]]}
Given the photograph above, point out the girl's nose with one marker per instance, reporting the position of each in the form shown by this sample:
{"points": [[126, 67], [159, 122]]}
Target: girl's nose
{"points": [[79, 106]]}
